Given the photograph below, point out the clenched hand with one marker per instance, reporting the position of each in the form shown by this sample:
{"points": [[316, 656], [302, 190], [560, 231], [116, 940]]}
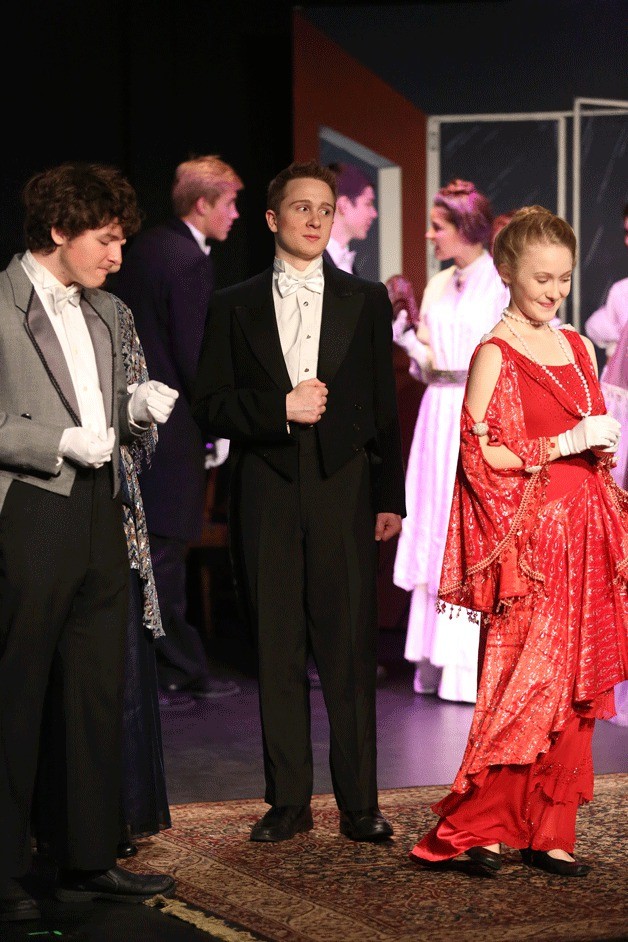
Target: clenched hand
{"points": [[151, 401], [307, 402], [85, 448]]}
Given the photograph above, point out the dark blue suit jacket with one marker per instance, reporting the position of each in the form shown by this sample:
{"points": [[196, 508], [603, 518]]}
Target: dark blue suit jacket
{"points": [[167, 281]]}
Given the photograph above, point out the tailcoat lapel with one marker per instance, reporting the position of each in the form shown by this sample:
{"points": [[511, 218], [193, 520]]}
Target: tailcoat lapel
{"points": [[341, 311], [49, 350], [259, 325], [102, 342], [100, 323]]}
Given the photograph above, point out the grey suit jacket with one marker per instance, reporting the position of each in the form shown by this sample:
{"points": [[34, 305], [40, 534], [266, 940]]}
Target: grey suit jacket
{"points": [[37, 398]]}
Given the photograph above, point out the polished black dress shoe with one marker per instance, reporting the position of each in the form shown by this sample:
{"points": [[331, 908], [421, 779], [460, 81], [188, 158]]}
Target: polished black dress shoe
{"points": [[563, 868], [282, 822], [484, 857], [16, 904], [76, 886], [367, 825], [126, 849]]}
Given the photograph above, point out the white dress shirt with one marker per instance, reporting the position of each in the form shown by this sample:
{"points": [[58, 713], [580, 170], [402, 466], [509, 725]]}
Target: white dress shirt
{"points": [[299, 320], [341, 255], [76, 343], [199, 238]]}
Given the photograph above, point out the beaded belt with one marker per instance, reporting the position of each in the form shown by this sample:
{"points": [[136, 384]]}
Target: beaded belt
{"points": [[446, 377]]}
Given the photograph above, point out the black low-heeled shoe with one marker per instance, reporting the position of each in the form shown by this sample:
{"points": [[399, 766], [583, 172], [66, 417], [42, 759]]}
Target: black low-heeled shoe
{"points": [[563, 868], [485, 857]]}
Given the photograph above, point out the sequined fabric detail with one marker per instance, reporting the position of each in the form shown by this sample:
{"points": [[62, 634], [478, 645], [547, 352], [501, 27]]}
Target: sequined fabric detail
{"points": [[560, 783], [132, 459]]}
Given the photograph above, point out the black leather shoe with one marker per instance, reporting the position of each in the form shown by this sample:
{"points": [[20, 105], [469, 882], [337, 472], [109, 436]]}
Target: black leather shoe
{"points": [[282, 822], [564, 868], [16, 904], [485, 857], [115, 884], [367, 825], [126, 849]]}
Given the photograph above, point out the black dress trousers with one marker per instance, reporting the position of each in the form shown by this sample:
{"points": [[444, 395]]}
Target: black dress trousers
{"points": [[64, 598], [308, 557]]}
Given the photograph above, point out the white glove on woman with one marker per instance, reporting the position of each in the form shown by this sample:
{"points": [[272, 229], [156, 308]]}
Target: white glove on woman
{"points": [[151, 401], [400, 325], [596, 431], [405, 336], [84, 447]]}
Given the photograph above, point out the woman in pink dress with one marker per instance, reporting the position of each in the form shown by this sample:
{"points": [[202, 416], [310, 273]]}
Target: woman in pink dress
{"points": [[538, 543]]}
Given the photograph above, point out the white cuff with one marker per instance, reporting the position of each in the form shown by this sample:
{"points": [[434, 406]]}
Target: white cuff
{"points": [[564, 444]]}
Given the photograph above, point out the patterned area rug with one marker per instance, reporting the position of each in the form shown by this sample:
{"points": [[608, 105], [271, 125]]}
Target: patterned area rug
{"points": [[321, 887]]}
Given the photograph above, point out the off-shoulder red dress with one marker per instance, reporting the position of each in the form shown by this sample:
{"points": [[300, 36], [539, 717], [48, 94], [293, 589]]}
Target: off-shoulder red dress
{"points": [[543, 553]]}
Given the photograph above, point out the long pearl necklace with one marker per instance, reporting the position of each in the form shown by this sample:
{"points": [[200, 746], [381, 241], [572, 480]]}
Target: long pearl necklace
{"points": [[506, 314]]}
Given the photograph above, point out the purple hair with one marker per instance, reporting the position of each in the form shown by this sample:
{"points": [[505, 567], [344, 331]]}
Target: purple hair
{"points": [[467, 209]]}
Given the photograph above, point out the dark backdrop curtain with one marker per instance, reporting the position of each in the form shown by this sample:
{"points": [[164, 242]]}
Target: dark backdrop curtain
{"points": [[144, 85]]}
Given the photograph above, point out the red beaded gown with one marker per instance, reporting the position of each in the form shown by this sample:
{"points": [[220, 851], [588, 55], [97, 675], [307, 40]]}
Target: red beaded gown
{"points": [[543, 552]]}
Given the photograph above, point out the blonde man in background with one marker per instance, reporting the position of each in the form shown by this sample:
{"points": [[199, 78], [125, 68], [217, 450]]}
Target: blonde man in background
{"points": [[168, 280]]}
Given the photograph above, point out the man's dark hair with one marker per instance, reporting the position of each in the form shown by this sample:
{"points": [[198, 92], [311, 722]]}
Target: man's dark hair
{"points": [[350, 180], [298, 171], [74, 197]]}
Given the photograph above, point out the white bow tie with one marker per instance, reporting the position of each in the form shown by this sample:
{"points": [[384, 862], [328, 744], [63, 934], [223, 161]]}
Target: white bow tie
{"points": [[62, 296], [288, 284]]}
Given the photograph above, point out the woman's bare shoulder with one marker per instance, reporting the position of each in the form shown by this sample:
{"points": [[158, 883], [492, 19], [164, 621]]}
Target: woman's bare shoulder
{"points": [[500, 331], [488, 355]]}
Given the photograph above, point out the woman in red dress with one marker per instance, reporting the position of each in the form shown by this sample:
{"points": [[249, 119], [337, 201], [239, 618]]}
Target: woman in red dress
{"points": [[537, 540]]}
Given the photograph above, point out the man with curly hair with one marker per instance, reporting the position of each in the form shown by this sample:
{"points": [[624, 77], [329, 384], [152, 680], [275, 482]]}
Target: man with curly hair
{"points": [[64, 570]]}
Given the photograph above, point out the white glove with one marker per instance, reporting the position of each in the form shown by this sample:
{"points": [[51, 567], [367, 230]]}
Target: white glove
{"points": [[596, 431], [84, 447], [400, 325], [151, 402], [218, 454], [409, 341]]}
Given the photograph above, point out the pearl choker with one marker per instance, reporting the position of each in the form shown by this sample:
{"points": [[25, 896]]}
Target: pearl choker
{"points": [[567, 353], [522, 320]]}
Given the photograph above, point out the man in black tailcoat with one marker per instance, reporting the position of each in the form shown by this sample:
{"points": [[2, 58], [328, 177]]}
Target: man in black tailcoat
{"points": [[296, 371]]}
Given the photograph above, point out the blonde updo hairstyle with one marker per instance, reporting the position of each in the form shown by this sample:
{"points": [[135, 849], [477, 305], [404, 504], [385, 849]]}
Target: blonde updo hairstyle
{"points": [[530, 225]]}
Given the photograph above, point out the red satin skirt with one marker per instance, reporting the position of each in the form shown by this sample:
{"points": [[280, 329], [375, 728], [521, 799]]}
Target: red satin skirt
{"points": [[519, 805]]}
